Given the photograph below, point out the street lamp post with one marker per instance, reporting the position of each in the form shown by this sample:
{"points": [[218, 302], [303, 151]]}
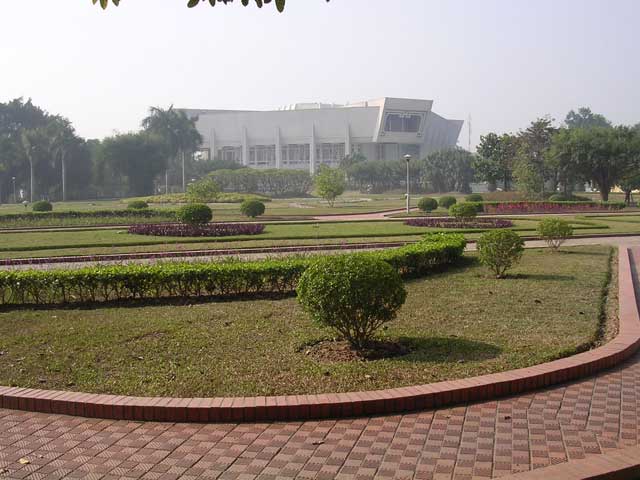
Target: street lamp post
{"points": [[407, 157], [15, 199]]}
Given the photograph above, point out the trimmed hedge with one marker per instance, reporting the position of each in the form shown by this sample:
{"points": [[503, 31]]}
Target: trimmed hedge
{"points": [[125, 213], [549, 207], [205, 230], [137, 204], [195, 214], [448, 222], [42, 206], [181, 280]]}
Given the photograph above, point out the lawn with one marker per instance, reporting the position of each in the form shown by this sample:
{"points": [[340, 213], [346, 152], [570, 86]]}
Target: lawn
{"points": [[16, 244], [458, 324]]}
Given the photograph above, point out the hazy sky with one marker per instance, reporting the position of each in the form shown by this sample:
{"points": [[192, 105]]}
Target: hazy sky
{"points": [[504, 62]]}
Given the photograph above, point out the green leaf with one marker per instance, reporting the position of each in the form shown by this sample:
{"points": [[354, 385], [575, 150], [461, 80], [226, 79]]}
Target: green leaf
{"points": [[192, 3]]}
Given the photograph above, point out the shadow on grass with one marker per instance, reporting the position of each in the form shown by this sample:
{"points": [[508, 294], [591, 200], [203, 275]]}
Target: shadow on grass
{"points": [[539, 277], [447, 350]]}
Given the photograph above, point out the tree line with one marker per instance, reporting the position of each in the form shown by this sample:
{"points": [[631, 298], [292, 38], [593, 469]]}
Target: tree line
{"points": [[544, 158]]}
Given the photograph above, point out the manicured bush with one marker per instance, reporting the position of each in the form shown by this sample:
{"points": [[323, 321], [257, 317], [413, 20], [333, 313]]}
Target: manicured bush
{"points": [[561, 197], [252, 208], [61, 215], [447, 201], [194, 214], [204, 190], [463, 211], [41, 206], [204, 230], [473, 197], [203, 279], [137, 205], [448, 222], [427, 204], [549, 207], [500, 250], [554, 231], [353, 294]]}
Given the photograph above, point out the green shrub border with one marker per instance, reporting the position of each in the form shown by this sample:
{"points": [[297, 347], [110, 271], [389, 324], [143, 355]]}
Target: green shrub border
{"points": [[212, 279], [125, 213]]}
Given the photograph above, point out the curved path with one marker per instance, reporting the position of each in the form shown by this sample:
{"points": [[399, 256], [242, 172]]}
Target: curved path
{"points": [[550, 427]]}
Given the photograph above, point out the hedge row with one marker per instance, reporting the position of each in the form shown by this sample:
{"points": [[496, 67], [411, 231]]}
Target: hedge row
{"points": [[206, 230], [450, 222], [181, 280], [548, 207], [125, 213]]}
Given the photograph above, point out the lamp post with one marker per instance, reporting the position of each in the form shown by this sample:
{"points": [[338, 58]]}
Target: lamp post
{"points": [[15, 199], [407, 157]]}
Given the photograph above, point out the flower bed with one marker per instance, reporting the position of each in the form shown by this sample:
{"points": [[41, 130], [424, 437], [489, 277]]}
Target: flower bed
{"points": [[450, 222], [207, 230], [181, 280], [549, 207]]}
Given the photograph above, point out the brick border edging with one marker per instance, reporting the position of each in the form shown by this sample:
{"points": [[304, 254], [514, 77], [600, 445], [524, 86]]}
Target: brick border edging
{"points": [[395, 400], [623, 464]]}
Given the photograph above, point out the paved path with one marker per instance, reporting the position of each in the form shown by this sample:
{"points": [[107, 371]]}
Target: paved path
{"points": [[482, 440]]}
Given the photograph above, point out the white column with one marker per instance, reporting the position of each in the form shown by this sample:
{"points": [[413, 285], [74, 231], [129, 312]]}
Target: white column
{"points": [[245, 147], [312, 151], [347, 140], [212, 145], [278, 149]]}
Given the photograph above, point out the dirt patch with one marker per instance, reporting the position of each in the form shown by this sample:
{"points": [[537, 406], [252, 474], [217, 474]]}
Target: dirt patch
{"points": [[329, 351]]}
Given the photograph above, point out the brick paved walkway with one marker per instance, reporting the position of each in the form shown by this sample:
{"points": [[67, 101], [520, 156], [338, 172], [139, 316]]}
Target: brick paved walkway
{"points": [[483, 440]]}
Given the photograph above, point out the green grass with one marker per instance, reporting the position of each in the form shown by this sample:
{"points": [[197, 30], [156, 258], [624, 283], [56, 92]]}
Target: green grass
{"points": [[460, 323]]}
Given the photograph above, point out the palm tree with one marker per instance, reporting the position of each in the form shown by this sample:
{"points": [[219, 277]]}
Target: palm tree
{"points": [[179, 133], [32, 140], [62, 139]]}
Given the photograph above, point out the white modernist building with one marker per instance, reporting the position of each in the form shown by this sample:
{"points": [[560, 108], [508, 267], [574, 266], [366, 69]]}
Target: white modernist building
{"points": [[305, 136]]}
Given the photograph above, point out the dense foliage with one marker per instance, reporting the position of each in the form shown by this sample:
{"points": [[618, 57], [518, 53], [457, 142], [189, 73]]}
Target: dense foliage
{"points": [[473, 197], [448, 222], [500, 250], [137, 204], [274, 182], [329, 184], [352, 294], [197, 230], [252, 208], [205, 190], [549, 207], [449, 170], [464, 211], [554, 231], [42, 206], [194, 214], [447, 201], [182, 280], [427, 204]]}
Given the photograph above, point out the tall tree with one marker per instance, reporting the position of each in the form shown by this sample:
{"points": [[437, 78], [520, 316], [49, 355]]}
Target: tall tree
{"points": [[178, 132], [532, 165], [600, 155], [139, 156], [449, 170], [496, 157], [585, 118]]}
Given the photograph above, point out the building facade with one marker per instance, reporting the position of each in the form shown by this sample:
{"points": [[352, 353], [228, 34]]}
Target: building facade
{"points": [[305, 136]]}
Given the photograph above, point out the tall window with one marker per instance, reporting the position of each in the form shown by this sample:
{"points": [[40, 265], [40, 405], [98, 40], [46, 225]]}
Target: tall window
{"points": [[330, 153], [296, 155], [231, 154], [402, 122], [262, 155]]}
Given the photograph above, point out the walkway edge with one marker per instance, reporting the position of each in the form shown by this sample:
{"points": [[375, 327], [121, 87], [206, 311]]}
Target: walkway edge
{"points": [[352, 404], [623, 464]]}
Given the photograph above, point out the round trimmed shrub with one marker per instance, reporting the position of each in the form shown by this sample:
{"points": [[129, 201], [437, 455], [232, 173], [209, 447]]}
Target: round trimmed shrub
{"points": [[252, 208], [137, 205], [352, 294], [447, 201], [42, 206], [474, 197], [464, 210], [554, 231], [561, 197], [500, 250], [427, 204], [195, 214]]}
